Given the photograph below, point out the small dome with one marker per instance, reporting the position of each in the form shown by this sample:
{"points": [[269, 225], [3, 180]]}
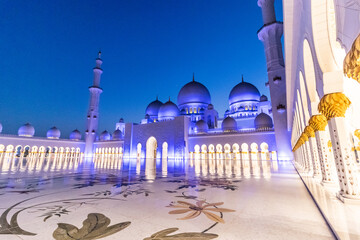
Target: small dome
{"points": [[121, 120], [201, 126], [229, 125], [263, 121], [75, 135], [242, 92], [263, 98], [53, 132], [153, 108], [117, 134], [210, 107], [105, 136], [26, 130], [1, 127], [168, 111], [193, 92]]}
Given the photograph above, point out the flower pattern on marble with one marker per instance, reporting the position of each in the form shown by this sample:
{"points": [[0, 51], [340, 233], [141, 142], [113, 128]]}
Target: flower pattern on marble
{"points": [[194, 210], [164, 234], [96, 226]]}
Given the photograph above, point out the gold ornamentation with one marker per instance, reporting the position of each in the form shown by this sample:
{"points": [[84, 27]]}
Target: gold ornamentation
{"points": [[318, 122], [357, 133], [329, 144], [309, 132], [351, 61], [334, 105]]}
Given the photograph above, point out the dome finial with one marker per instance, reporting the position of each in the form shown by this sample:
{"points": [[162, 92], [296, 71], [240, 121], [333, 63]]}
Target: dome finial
{"points": [[99, 54], [169, 99], [157, 97], [242, 78], [193, 77]]}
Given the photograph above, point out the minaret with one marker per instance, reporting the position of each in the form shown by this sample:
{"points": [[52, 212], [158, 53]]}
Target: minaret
{"points": [[270, 34], [93, 112]]}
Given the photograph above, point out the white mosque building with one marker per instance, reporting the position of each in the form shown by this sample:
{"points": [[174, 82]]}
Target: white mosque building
{"points": [[253, 125]]}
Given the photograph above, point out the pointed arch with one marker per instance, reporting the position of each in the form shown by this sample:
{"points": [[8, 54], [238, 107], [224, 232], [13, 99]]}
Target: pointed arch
{"points": [[151, 148]]}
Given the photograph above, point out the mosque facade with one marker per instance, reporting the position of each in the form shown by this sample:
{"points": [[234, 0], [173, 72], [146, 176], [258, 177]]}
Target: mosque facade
{"points": [[253, 126]]}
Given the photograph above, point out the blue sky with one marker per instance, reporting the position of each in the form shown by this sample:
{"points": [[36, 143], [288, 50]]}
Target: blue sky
{"points": [[149, 48]]}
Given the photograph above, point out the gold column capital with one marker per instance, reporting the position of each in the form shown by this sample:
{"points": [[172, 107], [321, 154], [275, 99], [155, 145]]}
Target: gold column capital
{"points": [[334, 105], [309, 132], [318, 122], [304, 137]]}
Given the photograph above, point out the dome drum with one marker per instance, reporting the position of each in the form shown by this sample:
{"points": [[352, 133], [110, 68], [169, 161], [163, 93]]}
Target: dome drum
{"points": [[117, 134], [193, 93], [26, 130], [53, 133], [75, 135], [168, 111], [201, 127], [263, 121], [229, 124], [244, 92], [105, 136]]}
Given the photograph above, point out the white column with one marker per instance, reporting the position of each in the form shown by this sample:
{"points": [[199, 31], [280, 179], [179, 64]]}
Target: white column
{"points": [[334, 106], [327, 165]]}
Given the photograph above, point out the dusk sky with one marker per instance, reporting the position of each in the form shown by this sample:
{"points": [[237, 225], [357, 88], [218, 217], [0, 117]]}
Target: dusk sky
{"points": [[149, 48]]}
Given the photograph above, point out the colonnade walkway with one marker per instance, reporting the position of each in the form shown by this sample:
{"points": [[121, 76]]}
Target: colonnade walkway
{"points": [[139, 198]]}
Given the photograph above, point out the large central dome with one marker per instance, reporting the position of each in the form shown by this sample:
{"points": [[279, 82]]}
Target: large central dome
{"points": [[242, 92], [193, 92]]}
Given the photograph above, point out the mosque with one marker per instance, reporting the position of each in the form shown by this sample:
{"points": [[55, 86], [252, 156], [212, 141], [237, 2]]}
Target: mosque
{"points": [[252, 124]]}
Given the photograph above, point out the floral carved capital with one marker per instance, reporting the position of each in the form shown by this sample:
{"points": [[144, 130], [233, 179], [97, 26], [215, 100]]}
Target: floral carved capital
{"points": [[334, 105], [318, 122], [309, 132]]}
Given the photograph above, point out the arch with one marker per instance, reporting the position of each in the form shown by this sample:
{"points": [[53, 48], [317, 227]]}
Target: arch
{"points": [[164, 150], [254, 147], [211, 148], [310, 78], [151, 147], [329, 52], [2, 148], [41, 149], [26, 150], [18, 150], [34, 149], [218, 148], [244, 147], [120, 149], [203, 148], [304, 97], [77, 150], [9, 148], [227, 148], [235, 148], [138, 150], [264, 147], [67, 149], [196, 148], [55, 149], [61, 149]]}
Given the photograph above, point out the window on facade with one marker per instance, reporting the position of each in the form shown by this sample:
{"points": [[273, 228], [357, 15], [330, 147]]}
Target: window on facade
{"points": [[187, 111], [191, 110]]}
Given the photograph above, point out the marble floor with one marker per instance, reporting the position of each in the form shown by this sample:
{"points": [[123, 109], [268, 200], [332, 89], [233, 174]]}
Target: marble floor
{"points": [[153, 199], [344, 218]]}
